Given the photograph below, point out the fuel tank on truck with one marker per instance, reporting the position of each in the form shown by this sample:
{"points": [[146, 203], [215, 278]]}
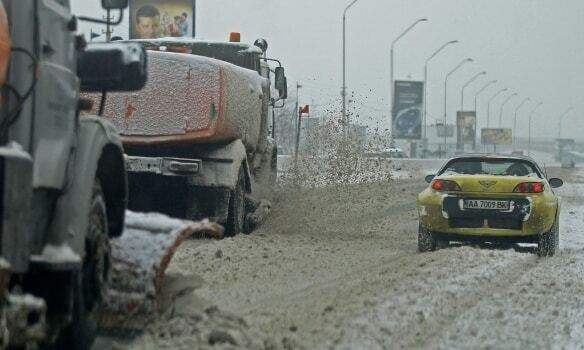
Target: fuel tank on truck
{"points": [[191, 99]]}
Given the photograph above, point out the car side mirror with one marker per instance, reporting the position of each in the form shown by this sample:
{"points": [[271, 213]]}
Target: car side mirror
{"points": [[281, 82], [555, 182], [112, 67], [429, 178], [114, 4]]}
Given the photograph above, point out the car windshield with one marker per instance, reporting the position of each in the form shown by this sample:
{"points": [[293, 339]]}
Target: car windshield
{"points": [[496, 167]]}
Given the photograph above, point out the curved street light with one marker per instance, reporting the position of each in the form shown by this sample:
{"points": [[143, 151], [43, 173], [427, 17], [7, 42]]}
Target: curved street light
{"points": [[515, 121], [477, 97], [560, 121], [462, 63], [426, 81], [483, 89], [529, 136], [489, 104], [344, 88], [467, 84], [503, 106], [391, 78]]}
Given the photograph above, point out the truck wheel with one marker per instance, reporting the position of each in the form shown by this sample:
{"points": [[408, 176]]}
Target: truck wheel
{"points": [[90, 285], [236, 210], [548, 243], [426, 240]]}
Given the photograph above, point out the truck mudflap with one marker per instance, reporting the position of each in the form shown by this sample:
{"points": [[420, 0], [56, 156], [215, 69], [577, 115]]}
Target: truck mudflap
{"points": [[163, 166], [140, 258]]}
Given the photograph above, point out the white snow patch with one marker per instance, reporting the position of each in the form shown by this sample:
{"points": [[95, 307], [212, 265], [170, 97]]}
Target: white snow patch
{"points": [[54, 254]]}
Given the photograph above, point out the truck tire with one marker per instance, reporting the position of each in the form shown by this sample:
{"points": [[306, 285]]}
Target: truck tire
{"points": [[91, 283], [549, 242], [426, 240], [236, 209]]}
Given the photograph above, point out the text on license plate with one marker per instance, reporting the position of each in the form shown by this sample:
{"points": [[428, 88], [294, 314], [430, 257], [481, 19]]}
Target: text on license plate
{"points": [[486, 204]]}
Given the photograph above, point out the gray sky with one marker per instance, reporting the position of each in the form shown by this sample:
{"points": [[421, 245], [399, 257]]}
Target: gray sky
{"points": [[533, 47]]}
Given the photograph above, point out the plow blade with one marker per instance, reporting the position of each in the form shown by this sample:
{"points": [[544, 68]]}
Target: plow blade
{"points": [[140, 258]]}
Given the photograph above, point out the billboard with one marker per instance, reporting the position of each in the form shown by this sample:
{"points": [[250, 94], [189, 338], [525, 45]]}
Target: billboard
{"points": [[496, 136], [407, 110], [466, 122], [443, 131], [151, 19]]}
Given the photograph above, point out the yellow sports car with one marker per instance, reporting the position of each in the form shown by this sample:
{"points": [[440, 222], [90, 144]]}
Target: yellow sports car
{"points": [[495, 198]]}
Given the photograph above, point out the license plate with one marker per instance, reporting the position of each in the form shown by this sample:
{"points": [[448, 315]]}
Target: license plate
{"points": [[486, 204]]}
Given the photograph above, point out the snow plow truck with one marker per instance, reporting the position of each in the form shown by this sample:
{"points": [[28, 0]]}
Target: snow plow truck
{"points": [[197, 137]]}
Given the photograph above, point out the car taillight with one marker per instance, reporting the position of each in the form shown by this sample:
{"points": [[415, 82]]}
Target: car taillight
{"points": [[445, 185], [529, 187]]}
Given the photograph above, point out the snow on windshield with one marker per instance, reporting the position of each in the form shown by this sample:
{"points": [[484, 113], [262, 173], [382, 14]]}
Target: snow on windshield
{"points": [[506, 167]]}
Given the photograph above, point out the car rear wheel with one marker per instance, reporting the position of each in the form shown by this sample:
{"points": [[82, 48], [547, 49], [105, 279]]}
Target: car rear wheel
{"points": [[426, 240], [548, 243]]}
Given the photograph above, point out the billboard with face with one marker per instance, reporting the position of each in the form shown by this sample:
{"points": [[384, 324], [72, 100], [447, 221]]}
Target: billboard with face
{"points": [[151, 19], [466, 127], [496, 136], [407, 111]]}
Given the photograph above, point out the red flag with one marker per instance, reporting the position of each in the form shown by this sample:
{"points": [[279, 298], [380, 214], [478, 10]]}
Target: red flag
{"points": [[305, 109]]}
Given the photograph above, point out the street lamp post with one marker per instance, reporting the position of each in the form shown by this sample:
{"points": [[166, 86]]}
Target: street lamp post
{"points": [[481, 90], [344, 88], [529, 135], [503, 106], [560, 121], [476, 105], [515, 121], [467, 84], [424, 122], [391, 77], [466, 60], [489, 104]]}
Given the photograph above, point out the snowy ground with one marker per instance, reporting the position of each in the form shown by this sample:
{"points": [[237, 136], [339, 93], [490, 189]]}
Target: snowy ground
{"points": [[336, 267]]}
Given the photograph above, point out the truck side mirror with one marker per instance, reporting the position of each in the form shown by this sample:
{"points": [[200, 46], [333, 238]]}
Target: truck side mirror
{"points": [[281, 82], [284, 91], [112, 67], [114, 4]]}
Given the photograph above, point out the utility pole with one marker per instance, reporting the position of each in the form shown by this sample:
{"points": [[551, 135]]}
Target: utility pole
{"points": [[344, 88], [560, 121], [515, 122], [462, 63], [489, 104], [424, 122], [464, 87], [476, 105], [108, 29], [391, 76], [529, 127], [503, 106]]}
